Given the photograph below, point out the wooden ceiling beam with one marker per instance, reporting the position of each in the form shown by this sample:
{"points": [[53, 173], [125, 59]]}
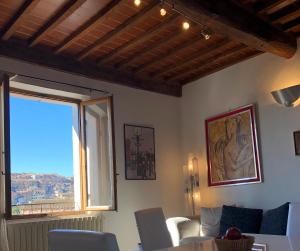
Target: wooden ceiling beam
{"points": [[18, 18], [164, 40], [214, 68], [88, 25], [139, 40], [233, 20], [19, 50], [167, 54], [275, 6], [210, 60], [124, 27], [189, 60], [62, 14]]}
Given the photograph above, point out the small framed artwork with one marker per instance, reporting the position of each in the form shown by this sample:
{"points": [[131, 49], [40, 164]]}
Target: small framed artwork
{"points": [[139, 147], [259, 247], [297, 142], [232, 148]]}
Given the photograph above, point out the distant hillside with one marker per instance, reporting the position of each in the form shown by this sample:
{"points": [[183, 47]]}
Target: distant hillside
{"points": [[33, 188]]}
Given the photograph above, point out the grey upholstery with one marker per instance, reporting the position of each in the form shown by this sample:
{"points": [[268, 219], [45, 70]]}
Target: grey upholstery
{"points": [[186, 230], [153, 229], [80, 240], [183, 227]]}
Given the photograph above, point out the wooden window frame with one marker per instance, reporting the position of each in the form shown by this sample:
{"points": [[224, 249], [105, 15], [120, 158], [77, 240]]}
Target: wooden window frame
{"points": [[83, 178]]}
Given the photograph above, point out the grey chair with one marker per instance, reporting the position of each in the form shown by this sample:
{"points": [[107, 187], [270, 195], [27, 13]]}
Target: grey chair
{"points": [[81, 240], [152, 228]]}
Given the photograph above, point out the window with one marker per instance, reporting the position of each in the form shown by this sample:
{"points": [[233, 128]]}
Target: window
{"points": [[58, 153]]}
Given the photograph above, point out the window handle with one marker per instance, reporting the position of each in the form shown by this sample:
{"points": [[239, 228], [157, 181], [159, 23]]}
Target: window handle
{"points": [[3, 173]]}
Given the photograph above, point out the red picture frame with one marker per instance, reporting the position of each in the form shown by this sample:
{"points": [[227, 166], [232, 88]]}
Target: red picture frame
{"points": [[232, 148]]}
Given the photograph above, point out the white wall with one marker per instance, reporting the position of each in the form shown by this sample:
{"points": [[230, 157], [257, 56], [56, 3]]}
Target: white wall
{"points": [[245, 83], [139, 107]]}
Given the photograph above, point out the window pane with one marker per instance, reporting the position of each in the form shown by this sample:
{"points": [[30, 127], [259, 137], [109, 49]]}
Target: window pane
{"points": [[99, 157], [43, 159]]}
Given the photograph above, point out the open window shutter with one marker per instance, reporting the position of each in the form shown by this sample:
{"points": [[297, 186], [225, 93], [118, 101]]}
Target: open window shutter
{"points": [[5, 140], [98, 155]]}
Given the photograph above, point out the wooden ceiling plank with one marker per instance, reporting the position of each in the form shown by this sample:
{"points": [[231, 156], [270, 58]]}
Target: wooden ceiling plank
{"points": [[124, 63], [187, 61], [168, 54], [139, 40], [19, 50], [88, 25], [287, 18], [276, 6], [236, 22], [62, 14], [210, 60], [18, 18], [219, 68], [124, 27]]}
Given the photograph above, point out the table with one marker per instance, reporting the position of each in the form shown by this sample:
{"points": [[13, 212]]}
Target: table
{"points": [[274, 243]]}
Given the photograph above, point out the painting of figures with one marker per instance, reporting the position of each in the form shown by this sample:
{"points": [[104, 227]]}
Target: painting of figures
{"points": [[232, 150]]}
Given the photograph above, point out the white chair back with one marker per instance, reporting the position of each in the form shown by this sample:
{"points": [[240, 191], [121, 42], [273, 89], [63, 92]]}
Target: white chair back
{"points": [[153, 229], [293, 226], [81, 240]]}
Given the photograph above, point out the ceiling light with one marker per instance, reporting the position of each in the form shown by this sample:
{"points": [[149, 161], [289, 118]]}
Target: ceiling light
{"points": [[185, 25], [137, 3], [163, 12]]}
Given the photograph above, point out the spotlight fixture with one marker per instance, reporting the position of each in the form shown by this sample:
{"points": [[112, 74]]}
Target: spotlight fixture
{"points": [[185, 25], [163, 12], [206, 36], [137, 3]]}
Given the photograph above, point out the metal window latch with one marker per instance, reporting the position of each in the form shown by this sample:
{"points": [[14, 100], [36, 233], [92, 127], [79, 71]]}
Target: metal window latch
{"points": [[3, 173]]}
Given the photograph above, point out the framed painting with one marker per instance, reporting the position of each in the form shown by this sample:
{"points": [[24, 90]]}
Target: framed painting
{"points": [[232, 148], [297, 142], [139, 152], [259, 247]]}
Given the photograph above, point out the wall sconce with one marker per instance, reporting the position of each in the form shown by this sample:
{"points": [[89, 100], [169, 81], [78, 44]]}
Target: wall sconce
{"points": [[287, 96], [192, 182]]}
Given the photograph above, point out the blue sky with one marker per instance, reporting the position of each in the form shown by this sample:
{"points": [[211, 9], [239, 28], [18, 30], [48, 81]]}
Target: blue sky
{"points": [[41, 137]]}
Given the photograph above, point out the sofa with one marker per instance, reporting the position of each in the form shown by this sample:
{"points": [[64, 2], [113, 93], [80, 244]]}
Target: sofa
{"points": [[285, 220]]}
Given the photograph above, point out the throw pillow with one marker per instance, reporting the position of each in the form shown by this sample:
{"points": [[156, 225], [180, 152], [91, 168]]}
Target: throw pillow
{"points": [[210, 221], [248, 220], [275, 221]]}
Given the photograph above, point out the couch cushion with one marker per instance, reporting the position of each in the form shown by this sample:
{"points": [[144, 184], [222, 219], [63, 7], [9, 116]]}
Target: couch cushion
{"points": [[248, 220], [210, 221], [275, 221]]}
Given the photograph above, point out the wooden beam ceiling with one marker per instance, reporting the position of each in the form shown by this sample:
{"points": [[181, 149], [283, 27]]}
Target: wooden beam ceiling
{"points": [[67, 10], [19, 50], [275, 6], [234, 21], [187, 61], [139, 40], [124, 27], [88, 25], [168, 54], [124, 63], [210, 60], [18, 18], [210, 68]]}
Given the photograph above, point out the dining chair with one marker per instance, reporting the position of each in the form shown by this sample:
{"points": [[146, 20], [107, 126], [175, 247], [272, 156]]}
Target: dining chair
{"points": [[152, 228], [293, 226], [81, 240]]}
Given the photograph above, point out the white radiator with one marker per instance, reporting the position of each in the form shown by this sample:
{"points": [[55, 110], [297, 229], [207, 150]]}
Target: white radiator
{"points": [[33, 236]]}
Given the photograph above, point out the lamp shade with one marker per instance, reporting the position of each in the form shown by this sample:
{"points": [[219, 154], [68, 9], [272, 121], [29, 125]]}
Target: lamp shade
{"points": [[287, 96]]}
